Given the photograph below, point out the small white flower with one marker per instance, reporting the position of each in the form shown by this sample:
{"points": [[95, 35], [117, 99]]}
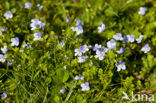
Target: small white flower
{"points": [[82, 59], [96, 47], [101, 28], [62, 91], [77, 77], [140, 39], [120, 66], [118, 36], [121, 50], [64, 67], [100, 54], [3, 58], [131, 38], [39, 6], [4, 49]]}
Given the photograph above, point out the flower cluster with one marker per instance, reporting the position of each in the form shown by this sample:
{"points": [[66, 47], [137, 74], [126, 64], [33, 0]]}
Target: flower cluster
{"points": [[111, 45], [81, 50], [99, 50], [78, 29]]}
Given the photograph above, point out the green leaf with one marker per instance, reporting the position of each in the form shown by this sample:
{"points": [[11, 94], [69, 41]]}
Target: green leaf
{"points": [[7, 5]]}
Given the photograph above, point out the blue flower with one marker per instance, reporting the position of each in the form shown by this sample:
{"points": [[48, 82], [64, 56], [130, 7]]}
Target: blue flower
{"points": [[3, 29], [118, 36], [121, 50], [36, 24], [3, 58], [8, 15], [79, 77], [96, 47], [146, 48], [27, 5], [131, 38], [78, 23], [125, 39], [140, 39], [4, 49], [82, 59], [9, 63], [64, 67], [99, 54], [91, 63], [62, 44], [78, 52], [15, 41], [83, 49], [37, 36], [101, 28], [120, 66], [39, 6], [85, 86], [111, 44], [67, 20], [27, 46], [104, 49], [79, 30], [142, 11], [62, 91], [4, 95]]}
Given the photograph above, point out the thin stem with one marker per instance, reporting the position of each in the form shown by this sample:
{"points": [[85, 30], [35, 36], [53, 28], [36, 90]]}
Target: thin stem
{"points": [[70, 92], [45, 95]]}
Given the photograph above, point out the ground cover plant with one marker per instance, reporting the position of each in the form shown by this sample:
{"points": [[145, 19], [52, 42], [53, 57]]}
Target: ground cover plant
{"points": [[77, 51]]}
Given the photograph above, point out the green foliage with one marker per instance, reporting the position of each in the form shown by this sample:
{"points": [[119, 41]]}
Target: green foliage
{"points": [[37, 74]]}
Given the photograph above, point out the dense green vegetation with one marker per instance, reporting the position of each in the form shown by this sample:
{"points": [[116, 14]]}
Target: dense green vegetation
{"points": [[67, 51]]}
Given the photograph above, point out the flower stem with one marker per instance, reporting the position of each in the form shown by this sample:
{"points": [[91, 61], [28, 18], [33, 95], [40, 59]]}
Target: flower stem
{"points": [[70, 92]]}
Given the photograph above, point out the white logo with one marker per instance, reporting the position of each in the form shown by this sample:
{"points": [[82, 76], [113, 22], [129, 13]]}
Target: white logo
{"points": [[138, 97]]}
